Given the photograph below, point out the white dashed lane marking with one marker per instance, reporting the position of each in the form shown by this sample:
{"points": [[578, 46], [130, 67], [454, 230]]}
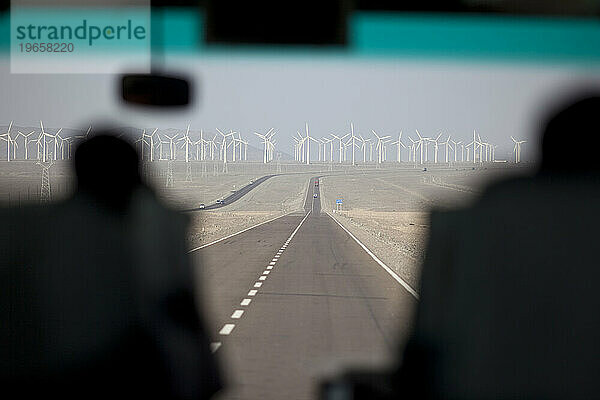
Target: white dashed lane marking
{"points": [[214, 346], [226, 329]]}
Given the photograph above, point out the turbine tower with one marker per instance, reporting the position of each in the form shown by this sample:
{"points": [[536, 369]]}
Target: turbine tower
{"points": [[308, 138], [340, 143], [265, 139], [517, 149], [186, 144], [6, 137], [25, 141], [379, 147], [400, 145]]}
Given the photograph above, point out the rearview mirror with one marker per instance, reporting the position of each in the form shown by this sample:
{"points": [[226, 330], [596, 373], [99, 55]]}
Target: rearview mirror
{"points": [[155, 90]]}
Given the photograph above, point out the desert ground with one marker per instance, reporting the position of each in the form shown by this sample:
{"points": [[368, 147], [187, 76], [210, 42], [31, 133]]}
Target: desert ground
{"points": [[386, 208]]}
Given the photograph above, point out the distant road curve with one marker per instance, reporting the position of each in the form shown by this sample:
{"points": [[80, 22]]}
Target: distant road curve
{"points": [[244, 190], [238, 194]]}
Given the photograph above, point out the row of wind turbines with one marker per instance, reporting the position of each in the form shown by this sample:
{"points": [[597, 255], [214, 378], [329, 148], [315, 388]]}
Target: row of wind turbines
{"points": [[52, 146], [417, 149], [203, 149], [48, 146], [231, 147]]}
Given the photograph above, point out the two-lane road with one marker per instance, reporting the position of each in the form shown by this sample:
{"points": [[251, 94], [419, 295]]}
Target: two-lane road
{"points": [[290, 297]]}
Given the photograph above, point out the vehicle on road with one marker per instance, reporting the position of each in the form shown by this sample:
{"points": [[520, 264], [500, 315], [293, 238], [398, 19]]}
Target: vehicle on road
{"points": [[220, 201], [315, 195], [316, 182], [202, 206]]}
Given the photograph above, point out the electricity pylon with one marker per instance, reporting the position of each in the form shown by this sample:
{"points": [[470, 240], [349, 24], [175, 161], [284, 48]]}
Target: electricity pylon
{"points": [[45, 189], [188, 172], [169, 174]]}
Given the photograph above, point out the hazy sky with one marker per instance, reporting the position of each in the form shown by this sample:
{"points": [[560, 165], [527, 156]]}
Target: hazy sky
{"points": [[248, 93]]}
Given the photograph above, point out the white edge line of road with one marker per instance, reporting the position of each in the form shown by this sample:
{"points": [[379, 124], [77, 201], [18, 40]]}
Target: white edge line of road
{"points": [[394, 275], [237, 233]]}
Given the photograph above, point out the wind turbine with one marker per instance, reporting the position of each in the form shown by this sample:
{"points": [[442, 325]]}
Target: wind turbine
{"points": [[330, 141], [25, 140], [42, 137], [171, 145], [224, 144], [400, 145], [213, 147], [308, 138], [517, 149], [8, 140], [56, 137], [14, 148], [340, 143], [271, 149], [416, 145], [385, 142], [353, 141], [455, 150], [270, 146], [265, 139], [474, 145], [186, 143], [436, 146], [245, 143], [199, 149], [379, 147], [364, 147], [240, 144], [150, 144], [142, 141], [422, 144], [447, 147]]}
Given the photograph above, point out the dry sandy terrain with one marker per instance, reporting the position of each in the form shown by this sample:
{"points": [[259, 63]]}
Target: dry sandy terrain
{"points": [[276, 196], [20, 182], [388, 210], [208, 226]]}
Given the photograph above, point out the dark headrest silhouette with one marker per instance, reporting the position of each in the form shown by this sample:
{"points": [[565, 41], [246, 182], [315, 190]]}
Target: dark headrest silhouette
{"points": [[107, 169], [567, 136]]}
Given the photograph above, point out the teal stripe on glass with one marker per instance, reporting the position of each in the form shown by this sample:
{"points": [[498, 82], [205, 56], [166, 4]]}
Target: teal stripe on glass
{"points": [[184, 29], [371, 34], [5, 32], [181, 29], [479, 36]]}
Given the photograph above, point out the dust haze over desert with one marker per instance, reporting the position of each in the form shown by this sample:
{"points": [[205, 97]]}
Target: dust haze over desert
{"points": [[278, 195]]}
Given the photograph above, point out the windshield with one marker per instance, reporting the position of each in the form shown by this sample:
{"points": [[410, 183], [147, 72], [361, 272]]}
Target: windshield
{"points": [[306, 172]]}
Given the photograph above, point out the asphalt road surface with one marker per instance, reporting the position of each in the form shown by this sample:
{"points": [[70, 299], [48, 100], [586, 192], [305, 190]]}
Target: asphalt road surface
{"points": [[293, 298], [235, 195]]}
